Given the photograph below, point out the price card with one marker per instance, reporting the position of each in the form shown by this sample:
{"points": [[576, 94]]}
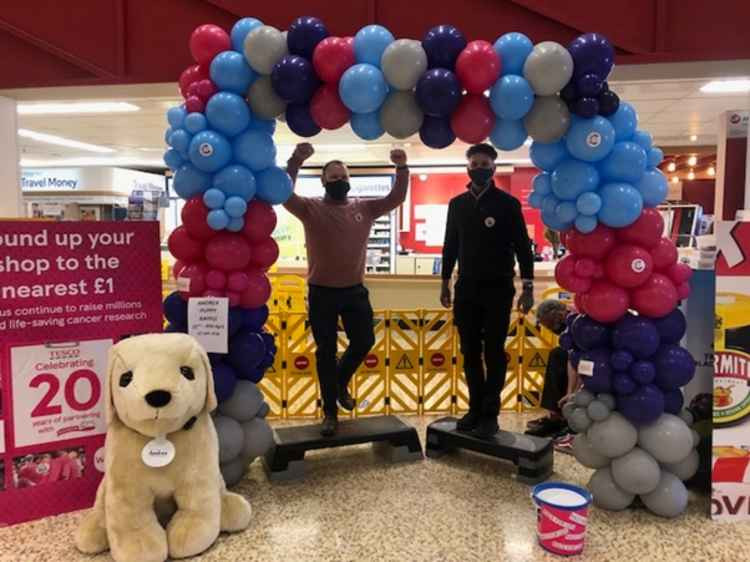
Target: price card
{"points": [[208, 322], [586, 368], [58, 390]]}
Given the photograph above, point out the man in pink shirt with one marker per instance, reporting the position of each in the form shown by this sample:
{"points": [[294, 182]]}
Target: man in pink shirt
{"points": [[336, 231]]}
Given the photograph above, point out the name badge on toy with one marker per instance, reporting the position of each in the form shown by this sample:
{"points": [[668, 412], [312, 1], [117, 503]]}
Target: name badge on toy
{"points": [[489, 222], [158, 452]]}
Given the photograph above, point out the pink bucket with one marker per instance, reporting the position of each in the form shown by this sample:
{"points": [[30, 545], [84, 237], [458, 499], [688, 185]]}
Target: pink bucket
{"points": [[562, 514]]}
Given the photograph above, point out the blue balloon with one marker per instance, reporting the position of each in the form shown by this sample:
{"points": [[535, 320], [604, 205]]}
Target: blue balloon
{"points": [[228, 113], [443, 44], [644, 139], [653, 187], [304, 35], [167, 135], [265, 125], [235, 207], [621, 360], [367, 125], [209, 151], [513, 49], [225, 381], [542, 184], [535, 200], [229, 71], [436, 132], [573, 177], [589, 334], [643, 372], [218, 219], [438, 92], [550, 219], [671, 327], [591, 140], [300, 120], [673, 401], [547, 156], [195, 123], [173, 159], [294, 79], [655, 157], [180, 140], [236, 224], [644, 405], [176, 116], [511, 97], [190, 181], [274, 186], [549, 204], [675, 367], [175, 309], [369, 44], [588, 203], [625, 121], [638, 335], [585, 223], [623, 384], [240, 31], [626, 162], [235, 181], [253, 319], [362, 88], [255, 149], [214, 199], [508, 134], [621, 204], [566, 211]]}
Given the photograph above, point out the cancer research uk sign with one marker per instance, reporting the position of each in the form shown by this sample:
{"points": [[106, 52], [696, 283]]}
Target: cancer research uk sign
{"points": [[68, 290]]}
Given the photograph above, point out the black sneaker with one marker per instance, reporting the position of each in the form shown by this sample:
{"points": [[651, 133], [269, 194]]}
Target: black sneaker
{"points": [[329, 426], [345, 399], [468, 422], [487, 427], [548, 427]]}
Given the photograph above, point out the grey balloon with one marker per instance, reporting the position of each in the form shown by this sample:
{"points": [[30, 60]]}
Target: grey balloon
{"points": [[636, 472], [263, 99], [264, 47], [613, 437], [607, 494], [244, 404], [670, 497], [668, 439], [607, 399], [233, 471], [686, 468], [548, 119], [258, 438], [231, 437], [568, 408], [579, 421], [585, 453], [400, 115], [583, 398], [597, 410], [264, 410], [687, 417], [696, 438], [548, 68], [403, 62]]}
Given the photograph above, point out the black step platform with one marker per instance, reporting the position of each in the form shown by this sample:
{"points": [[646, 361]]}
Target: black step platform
{"points": [[391, 438], [533, 456]]}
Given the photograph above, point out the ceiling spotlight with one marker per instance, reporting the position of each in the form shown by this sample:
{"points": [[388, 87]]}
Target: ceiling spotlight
{"points": [[691, 175], [693, 160], [671, 167], [674, 179], [711, 171], [693, 138]]}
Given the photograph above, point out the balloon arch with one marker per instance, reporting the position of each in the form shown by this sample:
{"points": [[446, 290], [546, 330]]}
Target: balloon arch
{"points": [[599, 186]]}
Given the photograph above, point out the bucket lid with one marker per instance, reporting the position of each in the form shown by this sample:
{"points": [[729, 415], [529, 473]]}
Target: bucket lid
{"points": [[561, 495]]}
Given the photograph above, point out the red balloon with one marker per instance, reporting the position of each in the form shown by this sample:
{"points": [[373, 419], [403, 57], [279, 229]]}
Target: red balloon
{"points": [[228, 251], [327, 109], [178, 266], [192, 74], [679, 273], [478, 66], [683, 291], [664, 254], [215, 293], [605, 302], [237, 282], [257, 292], [194, 105], [192, 280], [265, 253], [194, 214], [207, 41], [260, 221], [579, 301], [332, 57], [473, 119], [182, 246], [216, 279], [596, 244], [203, 89], [585, 267], [628, 266], [235, 299], [657, 297], [566, 277], [646, 231], [598, 271]]}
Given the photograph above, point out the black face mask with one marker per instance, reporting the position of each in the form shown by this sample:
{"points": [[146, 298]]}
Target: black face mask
{"points": [[481, 176], [337, 190]]}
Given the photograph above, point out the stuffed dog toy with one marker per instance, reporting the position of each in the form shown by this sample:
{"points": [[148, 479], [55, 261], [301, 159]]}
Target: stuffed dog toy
{"points": [[162, 493]]}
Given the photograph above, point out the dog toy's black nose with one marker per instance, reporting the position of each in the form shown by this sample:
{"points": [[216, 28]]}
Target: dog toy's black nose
{"points": [[158, 398]]}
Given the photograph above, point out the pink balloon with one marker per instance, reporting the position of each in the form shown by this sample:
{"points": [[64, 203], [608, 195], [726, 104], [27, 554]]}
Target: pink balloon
{"points": [[194, 214], [585, 267], [257, 292], [566, 277], [679, 273], [192, 280], [178, 266], [183, 246], [657, 297], [605, 302], [664, 254], [683, 291], [260, 221], [596, 244], [204, 89], [579, 301], [228, 251], [645, 232], [628, 266], [216, 279], [235, 299], [192, 74], [237, 282], [598, 271], [216, 293], [194, 104], [265, 253]]}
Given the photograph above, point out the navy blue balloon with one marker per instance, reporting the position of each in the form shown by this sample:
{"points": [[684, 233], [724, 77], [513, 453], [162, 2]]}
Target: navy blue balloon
{"points": [[436, 132], [609, 102], [246, 351], [643, 372], [304, 35], [253, 319], [621, 360], [225, 380], [622, 383], [176, 309], [601, 380], [586, 107], [592, 54], [235, 320], [570, 318], [267, 361], [443, 44], [588, 333], [300, 120], [566, 341], [254, 375], [642, 406], [673, 401], [675, 367], [671, 327], [636, 334], [569, 93], [589, 85], [438, 92], [294, 80]]}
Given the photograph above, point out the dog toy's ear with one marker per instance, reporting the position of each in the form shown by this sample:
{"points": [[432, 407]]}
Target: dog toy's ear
{"points": [[109, 403], [211, 402]]}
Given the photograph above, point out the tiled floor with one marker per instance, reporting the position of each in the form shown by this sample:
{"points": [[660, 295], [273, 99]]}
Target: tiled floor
{"points": [[354, 506]]}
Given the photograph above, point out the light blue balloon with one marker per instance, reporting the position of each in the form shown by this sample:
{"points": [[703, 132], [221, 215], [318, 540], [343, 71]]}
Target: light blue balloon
{"points": [[511, 97], [625, 121], [588, 203], [230, 72], [235, 207], [366, 125], [218, 219], [195, 123], [363, 88], [190, 181], [235, 181], [369, 44], [255, 149], [508, 134], [653, 187], [644, 139], [214, 199], [173, 159], [573, 177], [236, 224], [621, 204], [550, 219], [535, 199], [655, 157], [566, 211], [549, 204], [591, 140], [585, 224], [542, 184], [180, 140], [265, 125], [548, 156], [513, 48], [209, 151], [626, 162], [228, 113], [168, 134], [176, 116], [240, 31], [274, 185]]}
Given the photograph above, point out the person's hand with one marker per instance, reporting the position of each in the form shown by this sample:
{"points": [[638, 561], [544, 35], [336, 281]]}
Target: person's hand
{"points": [[398, 157], [526, 300], [445, 296], [565, 399], [303, 151]]}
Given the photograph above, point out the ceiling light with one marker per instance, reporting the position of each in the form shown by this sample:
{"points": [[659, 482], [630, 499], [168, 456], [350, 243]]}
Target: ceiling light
{"points": [[693, 138], [693, 160], [691, 175], [423, 177], [671, 167], [77, 107], [52, 139], [711, 171], [674, 179], [736, 86]]}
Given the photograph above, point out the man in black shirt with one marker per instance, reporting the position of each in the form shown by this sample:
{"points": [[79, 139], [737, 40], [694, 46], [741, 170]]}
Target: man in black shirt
{"points": [[485, 233]]}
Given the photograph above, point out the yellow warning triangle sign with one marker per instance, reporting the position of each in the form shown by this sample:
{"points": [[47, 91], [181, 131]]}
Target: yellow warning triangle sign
{"points": [[404, 362], [537, 361]]}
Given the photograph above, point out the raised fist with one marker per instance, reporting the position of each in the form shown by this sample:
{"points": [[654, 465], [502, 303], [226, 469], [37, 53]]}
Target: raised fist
{"points": [[303, 151], [398, 157]]}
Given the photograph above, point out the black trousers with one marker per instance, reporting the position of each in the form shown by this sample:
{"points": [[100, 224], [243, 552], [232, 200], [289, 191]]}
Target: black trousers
{"points": [[555, 379], [326, 306], [481, 312]]}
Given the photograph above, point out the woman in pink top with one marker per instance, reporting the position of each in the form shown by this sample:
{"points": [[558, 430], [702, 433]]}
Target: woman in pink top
{"points": [[336, 232]]}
